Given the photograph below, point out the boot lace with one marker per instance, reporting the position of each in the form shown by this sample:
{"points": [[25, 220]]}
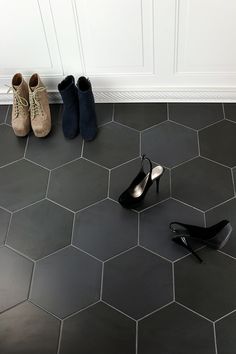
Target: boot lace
{"points": [[35, 105], [19, 102]]}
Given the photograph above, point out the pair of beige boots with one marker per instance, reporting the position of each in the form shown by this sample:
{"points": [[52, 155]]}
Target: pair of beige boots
{"points": [[30, 106]]}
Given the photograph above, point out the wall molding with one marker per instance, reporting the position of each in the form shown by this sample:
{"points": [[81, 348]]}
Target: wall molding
{"points": [[173, 94]]}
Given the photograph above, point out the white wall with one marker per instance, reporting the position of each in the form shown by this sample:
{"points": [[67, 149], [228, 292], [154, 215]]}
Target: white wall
{"points": [[132, 50]]}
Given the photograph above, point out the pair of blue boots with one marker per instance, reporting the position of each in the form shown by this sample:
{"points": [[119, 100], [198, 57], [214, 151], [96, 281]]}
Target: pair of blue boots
{"points": [[79, 114]]}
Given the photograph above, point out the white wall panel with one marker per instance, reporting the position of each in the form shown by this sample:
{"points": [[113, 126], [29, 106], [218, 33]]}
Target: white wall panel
{"points": [[116, 36], [206, 36]]}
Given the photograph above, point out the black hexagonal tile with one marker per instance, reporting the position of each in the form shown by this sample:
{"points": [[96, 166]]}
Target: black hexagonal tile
{"points": [[15, 275], [4, 222], [104, 112], [137, 282], [111, 231], [78, 184], [12, 146], [54, 150], [140, 115], [98, 329], [230, 111], [225, 211], [29, 330], [155, 233], [66, 282], [22, 183], [196, 115], [40, 229], [202, 183], [170, 144], [113, 146], [3, 112], [208, 288], [225, 334], [122, 176], [218, 143], [175, 330]]}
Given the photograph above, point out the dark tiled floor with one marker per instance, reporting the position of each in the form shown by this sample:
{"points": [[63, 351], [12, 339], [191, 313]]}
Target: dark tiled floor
{"points": [[80, 274]]}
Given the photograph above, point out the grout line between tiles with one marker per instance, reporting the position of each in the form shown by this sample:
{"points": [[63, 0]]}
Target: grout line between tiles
{"points": [[156, 254], [12, 307], [81, 310], [196, 313], [108, 183], [139, 216], [44, 309], [114, 308], [155, 204], [218, 163], [154, 126], [226, 254], [60, 205], [210, 125], [6, 116], [136, 338], [8, 228], [189, 254], [182, 125], [232, 175], [85, 252], [65, 164], [215, 341], [226, 315], [37, 164], [31, 282], [157, 310], [73, 229], [49, 177], [26, 146], [102, 276], [19, 253], [12, 162], [167, 111], [173, 279], [223, 109], [191, 206], [119, 254], [124, 163], [113, 113], [52, 253], [82, 148], [28, 205], [126, 126], [60, 336], [184, 162], [97, 164], [217, 205]]}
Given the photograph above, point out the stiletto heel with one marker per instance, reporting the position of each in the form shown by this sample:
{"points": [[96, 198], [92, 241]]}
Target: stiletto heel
{"points": [[214, 236], [157, 185], [137, 190]]}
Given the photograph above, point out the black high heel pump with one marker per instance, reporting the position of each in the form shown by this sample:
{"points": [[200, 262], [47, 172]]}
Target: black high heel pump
{"points": [[137, 190], [214, 236]]}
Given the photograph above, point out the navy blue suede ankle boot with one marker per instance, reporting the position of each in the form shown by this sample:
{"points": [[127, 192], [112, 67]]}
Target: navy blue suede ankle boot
{"points": [[70, 117], [88, 121]]}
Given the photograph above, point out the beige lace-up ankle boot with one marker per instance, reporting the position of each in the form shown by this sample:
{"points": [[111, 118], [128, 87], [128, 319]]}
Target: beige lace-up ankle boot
{"points": [[39, 108], [20, 108]]}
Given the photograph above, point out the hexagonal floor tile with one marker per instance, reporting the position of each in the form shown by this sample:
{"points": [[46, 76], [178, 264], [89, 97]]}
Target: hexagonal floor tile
{"points": [[15, 276], [4, 222], [54, 150], [225, 334], [122, 176], [62, 286], [78, 184], [22, 183], [207, 288], [113, 146], [225, 211], [3, 113], [175, 330], [107, 329], [202, 183], [140, 115], [40, 229], [12, 146], [218, 143], [155, 233], [169, 144], [230, 111], [145, 277], [29, 330], [111, 231], [196, 115], [104, 113]]}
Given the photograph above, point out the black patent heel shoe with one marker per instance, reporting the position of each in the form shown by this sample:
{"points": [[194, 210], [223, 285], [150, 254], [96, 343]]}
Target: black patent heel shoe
{"points": [[137, 190], [214, 236]]}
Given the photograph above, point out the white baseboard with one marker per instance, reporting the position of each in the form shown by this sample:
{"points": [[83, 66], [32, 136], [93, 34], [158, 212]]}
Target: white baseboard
{"points": [[155, 95]]}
